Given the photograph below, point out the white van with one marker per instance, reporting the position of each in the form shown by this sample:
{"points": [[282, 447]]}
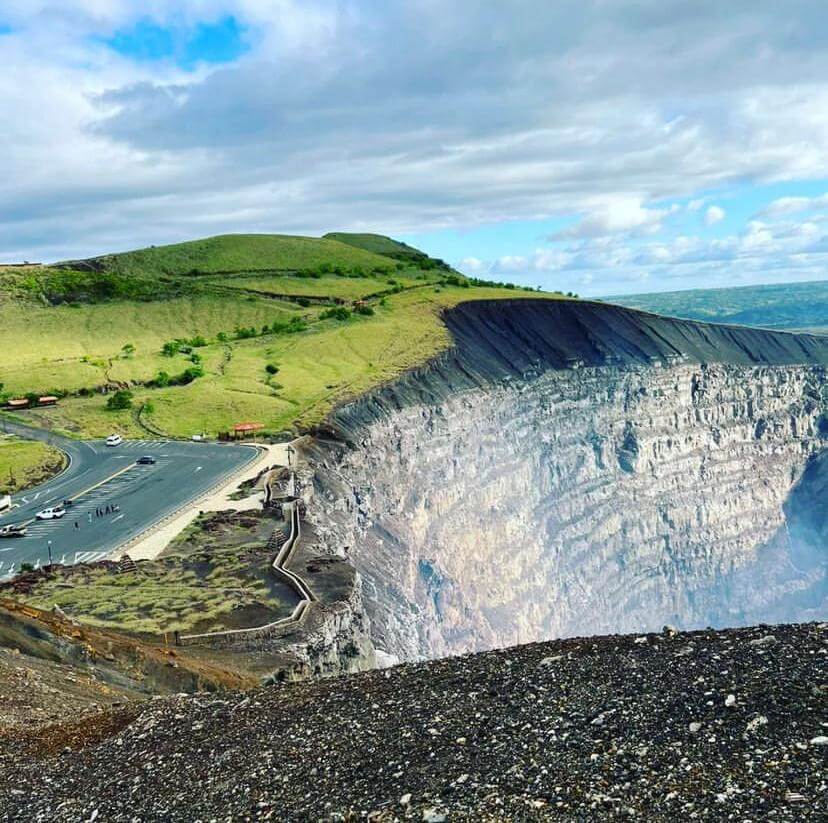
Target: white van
{"points": [[114, 440], [5, 502]]}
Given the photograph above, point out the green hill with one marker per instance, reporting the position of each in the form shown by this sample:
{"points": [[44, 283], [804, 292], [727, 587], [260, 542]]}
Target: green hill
{"points": [[230, 253], [777, 306], [380, 244], [238, 327]]}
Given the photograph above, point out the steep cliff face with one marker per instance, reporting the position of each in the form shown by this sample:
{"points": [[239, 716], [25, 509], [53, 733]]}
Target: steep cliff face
{"points": [[488, 502]]}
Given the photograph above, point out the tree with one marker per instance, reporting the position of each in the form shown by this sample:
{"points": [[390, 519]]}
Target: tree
{"points": [[272, 368], [128, 349], [121, 399]]}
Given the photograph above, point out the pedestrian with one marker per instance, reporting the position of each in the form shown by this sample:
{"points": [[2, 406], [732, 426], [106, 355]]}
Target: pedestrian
{"points": [[77, 526]]}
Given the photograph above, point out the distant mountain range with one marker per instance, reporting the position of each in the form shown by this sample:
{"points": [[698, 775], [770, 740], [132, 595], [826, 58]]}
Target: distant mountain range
{"points": [[779, 306]]}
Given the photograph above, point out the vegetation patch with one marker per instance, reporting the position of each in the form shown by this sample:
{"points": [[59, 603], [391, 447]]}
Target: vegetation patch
{"points": [[215, 576], [25, 463], [334, 317]]}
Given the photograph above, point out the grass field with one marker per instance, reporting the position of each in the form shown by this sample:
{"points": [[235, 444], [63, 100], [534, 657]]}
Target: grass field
{"points": [[241, 252], [23, 463], [275, 361], [213, 576]]}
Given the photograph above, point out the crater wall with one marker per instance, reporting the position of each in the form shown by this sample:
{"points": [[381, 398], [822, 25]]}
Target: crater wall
{"points": [[616, 482]]}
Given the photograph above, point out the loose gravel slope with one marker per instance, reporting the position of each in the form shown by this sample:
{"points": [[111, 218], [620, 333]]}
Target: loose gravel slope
{"points": [[727, 725]]}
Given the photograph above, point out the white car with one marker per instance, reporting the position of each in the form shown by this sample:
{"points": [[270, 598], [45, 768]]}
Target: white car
{"points": [[54, 513], [114, 440]]}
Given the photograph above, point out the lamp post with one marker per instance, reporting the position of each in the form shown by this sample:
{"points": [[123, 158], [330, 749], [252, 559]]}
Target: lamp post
{"points": [[49, 548]]}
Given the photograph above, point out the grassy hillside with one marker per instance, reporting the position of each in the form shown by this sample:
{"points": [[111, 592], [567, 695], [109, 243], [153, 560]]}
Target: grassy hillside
{"points": [[782, 306], [23, 463], [277, 338], [234, 253], [379, 244]]}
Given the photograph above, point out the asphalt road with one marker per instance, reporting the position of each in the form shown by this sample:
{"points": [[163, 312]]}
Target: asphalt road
{"points": [[99, 476]]}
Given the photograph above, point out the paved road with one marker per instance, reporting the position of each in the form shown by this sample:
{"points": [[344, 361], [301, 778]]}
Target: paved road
{"points": [[100, 476]]}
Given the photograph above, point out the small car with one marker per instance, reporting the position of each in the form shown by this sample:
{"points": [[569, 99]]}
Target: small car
{"points": [[54, 513], [12, 530], [114, 440], [146, 460]]}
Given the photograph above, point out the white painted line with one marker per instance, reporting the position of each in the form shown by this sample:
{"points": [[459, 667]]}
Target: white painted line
{"points": [[198, 469], [116, 519]]}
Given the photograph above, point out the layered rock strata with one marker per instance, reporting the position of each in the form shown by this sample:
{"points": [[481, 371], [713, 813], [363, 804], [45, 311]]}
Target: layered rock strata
{"points": [[575, 469]]}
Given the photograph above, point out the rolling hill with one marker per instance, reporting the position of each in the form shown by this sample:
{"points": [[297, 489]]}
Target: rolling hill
{"points": [[206, 333], [779, 306]]}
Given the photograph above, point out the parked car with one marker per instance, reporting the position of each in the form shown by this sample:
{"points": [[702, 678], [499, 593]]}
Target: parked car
{"points": [[5, 502], [13, 530], [146, 460], [114, 440], [53, 513]]}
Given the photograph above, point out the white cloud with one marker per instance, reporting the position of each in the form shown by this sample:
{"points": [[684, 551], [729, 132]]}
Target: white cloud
{"points": [[617, 215], [402, 117], [784, 206], [713, 215], [472, 265]]}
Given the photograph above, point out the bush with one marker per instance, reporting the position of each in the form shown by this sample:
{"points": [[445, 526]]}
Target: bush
{"points": [[292, 326], [222, 337], [336, 313], [366, 310], [161, 380], [122, 399], [170, 348], [303, 301], [272, 368]]}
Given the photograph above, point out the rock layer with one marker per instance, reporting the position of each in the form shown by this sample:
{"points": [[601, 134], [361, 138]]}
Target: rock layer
{"points": [[488, 502]]}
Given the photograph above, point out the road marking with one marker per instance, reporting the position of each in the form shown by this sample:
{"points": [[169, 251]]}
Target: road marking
{"points": [[24, 499], [9, 549], [116, 519], [198, 469], [35, 497]]}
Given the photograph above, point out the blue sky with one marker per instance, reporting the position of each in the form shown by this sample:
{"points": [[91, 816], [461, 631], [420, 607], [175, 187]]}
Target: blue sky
{"points": [[212, 42], [598, 148]]}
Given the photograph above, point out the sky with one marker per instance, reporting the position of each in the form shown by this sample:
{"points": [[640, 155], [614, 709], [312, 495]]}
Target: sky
{"points": [[596, 146]]}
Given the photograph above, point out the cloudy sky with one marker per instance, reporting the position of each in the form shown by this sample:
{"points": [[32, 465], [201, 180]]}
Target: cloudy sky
{"points": [[599, 146]]}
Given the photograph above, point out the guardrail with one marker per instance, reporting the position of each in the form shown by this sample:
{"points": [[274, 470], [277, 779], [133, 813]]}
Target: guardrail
{"points": [[278, 566]]}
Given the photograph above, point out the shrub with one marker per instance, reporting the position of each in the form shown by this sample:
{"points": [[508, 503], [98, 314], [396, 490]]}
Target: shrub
{"points": [[170, 348], [303, 301], [272, 368], [121, 399], [366, 310], [222, 337], [336, 313], [128, 349], [161, 380], [189, 374]]}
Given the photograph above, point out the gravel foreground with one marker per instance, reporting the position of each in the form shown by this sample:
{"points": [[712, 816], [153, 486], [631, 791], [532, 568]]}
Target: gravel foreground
{"points": [[712, 725]]}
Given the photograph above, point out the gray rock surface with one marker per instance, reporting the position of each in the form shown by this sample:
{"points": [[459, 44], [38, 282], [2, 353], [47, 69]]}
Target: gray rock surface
{"points": [[497, 498], [586, 729]]}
